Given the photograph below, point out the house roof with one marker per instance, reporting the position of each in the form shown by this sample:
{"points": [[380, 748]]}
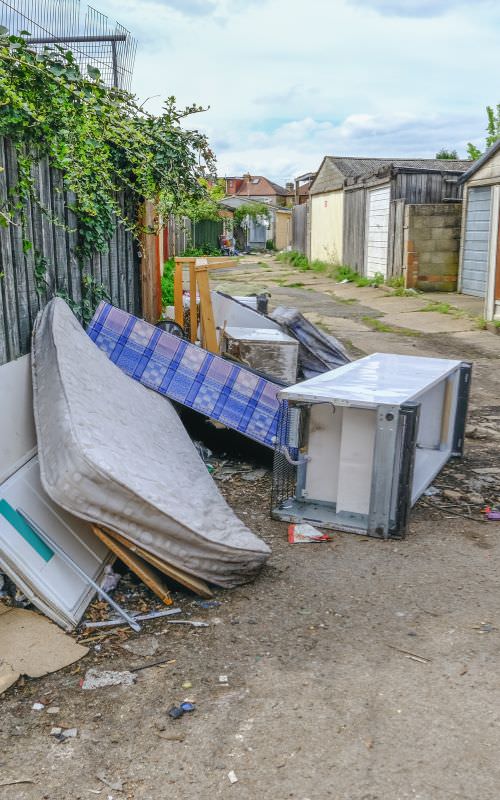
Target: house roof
{"points": [[260, 186], [479, 163], [335, 171], [234, 201]]}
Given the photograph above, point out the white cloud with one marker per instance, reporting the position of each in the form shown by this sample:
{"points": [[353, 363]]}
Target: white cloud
{"points": [[415, 8], [288, 81]]}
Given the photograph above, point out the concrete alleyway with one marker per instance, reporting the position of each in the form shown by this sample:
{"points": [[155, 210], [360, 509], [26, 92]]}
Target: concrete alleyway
{"points": [[356, 669]]}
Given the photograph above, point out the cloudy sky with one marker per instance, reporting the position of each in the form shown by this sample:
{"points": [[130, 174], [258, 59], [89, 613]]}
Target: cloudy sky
{"points": [[289, 81]]}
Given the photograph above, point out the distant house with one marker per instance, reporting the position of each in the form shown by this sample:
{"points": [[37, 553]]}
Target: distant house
{"points": [[480, 251], [302, 186], [257, 187], [357, 208], [277, 229]]}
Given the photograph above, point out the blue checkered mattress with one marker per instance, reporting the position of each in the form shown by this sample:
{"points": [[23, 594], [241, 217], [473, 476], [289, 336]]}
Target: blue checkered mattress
{"points": [[188, 374]]}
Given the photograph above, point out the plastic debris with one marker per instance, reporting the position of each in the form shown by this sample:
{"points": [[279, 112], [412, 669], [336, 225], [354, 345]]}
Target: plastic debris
{"points": [[97, 679], [104, 623], [37, 707], [304, 533], [432, 491], [187, 685], [232, 776], [111, 579], [142, 646], [187, 707], [53, 710], [223, 679], [492, 513], [175, 712], [208, 603]]}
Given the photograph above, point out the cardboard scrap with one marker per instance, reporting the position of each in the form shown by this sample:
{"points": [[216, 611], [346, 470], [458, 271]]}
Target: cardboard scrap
{"points": [[32, 645], [303, 533]]}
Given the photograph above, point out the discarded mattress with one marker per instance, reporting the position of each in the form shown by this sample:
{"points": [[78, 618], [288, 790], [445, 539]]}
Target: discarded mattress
{"points": [[223, 391], [318, 352], [116, 454]]}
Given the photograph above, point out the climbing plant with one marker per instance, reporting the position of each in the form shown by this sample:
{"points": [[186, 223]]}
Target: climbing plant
{"points": [[100, 139], [256, 211]]}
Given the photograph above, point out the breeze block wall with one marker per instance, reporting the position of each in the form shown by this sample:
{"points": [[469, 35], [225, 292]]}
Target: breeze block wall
{"points": [[432, 246]]}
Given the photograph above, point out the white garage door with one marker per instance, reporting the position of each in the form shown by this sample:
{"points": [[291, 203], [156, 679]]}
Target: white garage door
{"points": [[476, 241], [377, 234]]}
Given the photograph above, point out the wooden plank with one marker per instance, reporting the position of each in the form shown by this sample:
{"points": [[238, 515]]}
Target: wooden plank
{"points": [[137, 564], [193, 305], [210, 342], [150, 268], [178, 296], [74, 270], [191, 582], [59, 234], [12, 340]]}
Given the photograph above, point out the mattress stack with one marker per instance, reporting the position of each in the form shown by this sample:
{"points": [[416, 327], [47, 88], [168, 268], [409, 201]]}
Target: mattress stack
{"points": [[116, 454]]}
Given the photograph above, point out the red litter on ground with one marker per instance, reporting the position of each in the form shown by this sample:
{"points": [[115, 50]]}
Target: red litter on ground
{"points": [[303, 533]]}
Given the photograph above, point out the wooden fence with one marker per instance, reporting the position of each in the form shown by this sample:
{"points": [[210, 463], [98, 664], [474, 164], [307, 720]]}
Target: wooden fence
{"points": [[53, 257]]}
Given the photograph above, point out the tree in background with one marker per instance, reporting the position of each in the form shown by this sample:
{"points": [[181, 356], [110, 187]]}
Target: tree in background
{"points": [[492, 131], [447, 155]]}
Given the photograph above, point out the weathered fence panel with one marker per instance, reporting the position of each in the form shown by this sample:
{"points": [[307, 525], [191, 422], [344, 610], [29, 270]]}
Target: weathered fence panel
{"points": [[53, 256], [299, 228], [207, 232]]}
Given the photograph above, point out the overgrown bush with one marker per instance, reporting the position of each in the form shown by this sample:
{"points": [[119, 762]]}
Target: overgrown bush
{"points": [[200, 252], [167, 283]]}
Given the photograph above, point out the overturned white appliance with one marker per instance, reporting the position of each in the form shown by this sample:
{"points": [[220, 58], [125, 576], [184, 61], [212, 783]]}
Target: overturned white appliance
{"points": [[357, 446], [34, 567], [115, 453]]}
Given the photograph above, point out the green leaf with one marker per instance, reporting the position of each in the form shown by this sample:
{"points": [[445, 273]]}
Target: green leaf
{"points": [[3, 30], [24, 33], [93, 72]]}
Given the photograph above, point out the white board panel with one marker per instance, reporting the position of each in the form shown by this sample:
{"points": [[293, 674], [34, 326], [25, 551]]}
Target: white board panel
{"points": [[50, 583], [17, 426], [322, 475], [356, 460]]}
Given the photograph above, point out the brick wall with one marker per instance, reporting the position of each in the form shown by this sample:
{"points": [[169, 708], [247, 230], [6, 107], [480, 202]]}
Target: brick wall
{"points": [[432, 245]]}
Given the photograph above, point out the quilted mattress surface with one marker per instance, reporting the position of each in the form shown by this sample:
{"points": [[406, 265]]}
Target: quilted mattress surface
{"points": [[115, 453]]}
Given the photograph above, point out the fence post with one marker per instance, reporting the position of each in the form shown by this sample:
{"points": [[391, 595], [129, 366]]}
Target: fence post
{"points": [[150, 267]]}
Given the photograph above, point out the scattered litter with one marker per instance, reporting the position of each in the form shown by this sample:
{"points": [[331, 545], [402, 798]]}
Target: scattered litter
{"points": [[69, 733], [37, 707], [254, 474], [492, 513], [194, 623], [16, 782], [187, 685], [111, 579], [116, 785], [187, 707], [104, 623], [232, 777], [410, 655], [175, 712], [432, 491], [97, 679], [53, 710], [142, 646], [223, 679], [56, 731], [208, 603], [303, 533], [156, 663], [484, 627]]}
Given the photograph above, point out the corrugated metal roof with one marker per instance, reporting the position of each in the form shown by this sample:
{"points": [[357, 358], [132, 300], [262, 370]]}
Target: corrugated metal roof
{"points": [[335, 170]]}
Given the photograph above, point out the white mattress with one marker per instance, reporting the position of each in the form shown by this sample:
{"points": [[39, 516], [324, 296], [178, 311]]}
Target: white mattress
{"points": [[113, 452]]}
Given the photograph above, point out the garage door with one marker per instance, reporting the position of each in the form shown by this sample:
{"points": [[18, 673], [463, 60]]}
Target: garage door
{"points": [[476, 241], [377, 238]]}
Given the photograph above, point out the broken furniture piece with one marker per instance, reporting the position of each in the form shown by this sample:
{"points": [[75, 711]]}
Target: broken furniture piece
{"points": [[199, 288], [318, 351], [117, 455], [35, 568], [267, 351], [184, 372], [357, 446]]}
